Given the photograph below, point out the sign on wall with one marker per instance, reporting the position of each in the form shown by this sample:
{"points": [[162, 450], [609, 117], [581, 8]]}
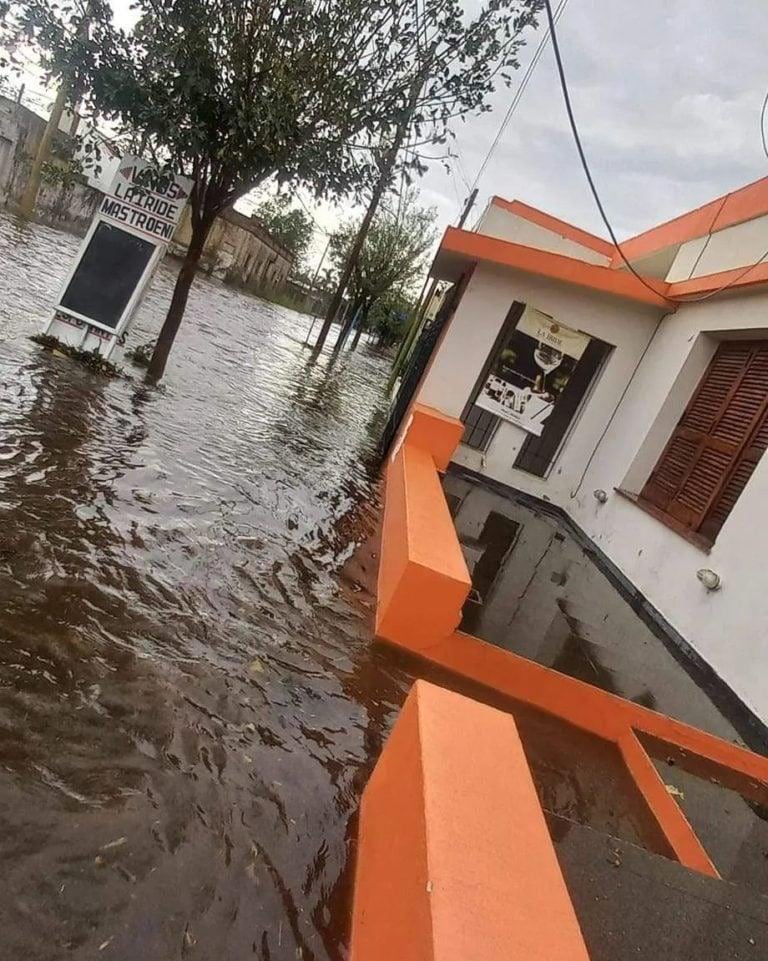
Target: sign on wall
{"points": [[127, 237], [530, 370]]}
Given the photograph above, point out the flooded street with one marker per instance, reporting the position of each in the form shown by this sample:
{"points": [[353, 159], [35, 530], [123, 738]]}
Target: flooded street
{"points": [[189, 703]]}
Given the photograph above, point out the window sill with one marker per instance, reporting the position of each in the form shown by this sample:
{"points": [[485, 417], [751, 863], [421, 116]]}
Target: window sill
{"points": [[699, 542]]}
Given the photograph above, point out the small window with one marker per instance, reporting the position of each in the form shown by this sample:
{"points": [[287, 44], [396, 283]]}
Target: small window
{"points": [[538, 450], [479, 427], [717, 443]]}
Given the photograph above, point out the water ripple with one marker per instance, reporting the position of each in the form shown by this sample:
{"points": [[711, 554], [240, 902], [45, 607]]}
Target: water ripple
{"points": [[188, 704]]}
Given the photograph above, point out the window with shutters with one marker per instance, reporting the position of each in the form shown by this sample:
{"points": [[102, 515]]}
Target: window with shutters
{"points": [[717, 443]]}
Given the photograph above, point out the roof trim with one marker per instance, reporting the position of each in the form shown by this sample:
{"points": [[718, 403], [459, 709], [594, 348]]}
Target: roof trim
{"points": [[555, 225], [734, 279], [733, 208], [615, 283]]}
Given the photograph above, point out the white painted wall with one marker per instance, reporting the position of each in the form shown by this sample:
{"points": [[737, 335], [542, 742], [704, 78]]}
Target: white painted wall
{"points": [[469, 339], [738, 246], [501, 223], [728, 628]]}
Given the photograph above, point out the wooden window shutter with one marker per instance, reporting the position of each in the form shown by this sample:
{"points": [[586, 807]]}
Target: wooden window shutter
{"points": [[717, 443]]}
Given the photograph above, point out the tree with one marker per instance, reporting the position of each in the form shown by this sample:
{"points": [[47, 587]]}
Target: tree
{"points": [[388, 317], [392, 256], [233, 92], [291, 226]]}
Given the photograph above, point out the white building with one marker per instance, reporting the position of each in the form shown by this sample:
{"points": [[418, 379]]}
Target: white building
{"points": [[658, 401]]}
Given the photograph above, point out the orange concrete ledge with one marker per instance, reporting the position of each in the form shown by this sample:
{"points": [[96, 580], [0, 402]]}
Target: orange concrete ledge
{"points": [[423, 578], [435, 432], [423, 583], [478, 247], [455, 862]]}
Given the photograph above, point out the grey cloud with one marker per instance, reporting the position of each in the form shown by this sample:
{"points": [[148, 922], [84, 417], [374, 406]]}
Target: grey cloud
{"points": [[667, 97]]}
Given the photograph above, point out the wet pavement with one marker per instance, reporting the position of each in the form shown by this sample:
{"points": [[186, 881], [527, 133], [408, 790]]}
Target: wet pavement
{"points": [[189, 702], [537, 592]]}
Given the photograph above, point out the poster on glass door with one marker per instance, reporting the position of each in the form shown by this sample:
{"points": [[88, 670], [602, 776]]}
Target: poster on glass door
{"points": [[530, 370]]}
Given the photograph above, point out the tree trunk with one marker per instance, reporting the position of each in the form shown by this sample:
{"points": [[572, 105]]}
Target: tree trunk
{"points": [[173, 318], [356, 339], [387, 165], [364, 311], [349, 319]]}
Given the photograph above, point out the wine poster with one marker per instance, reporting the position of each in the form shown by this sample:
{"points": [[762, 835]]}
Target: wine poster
{"points": [[530, 370]]}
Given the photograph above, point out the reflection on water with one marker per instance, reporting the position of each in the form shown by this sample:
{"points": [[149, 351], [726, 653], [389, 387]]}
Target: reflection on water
{"points": [[542, 595], [188, 702]]}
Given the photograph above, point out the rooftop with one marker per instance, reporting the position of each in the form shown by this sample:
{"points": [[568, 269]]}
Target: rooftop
{"points": [[651, 253]]}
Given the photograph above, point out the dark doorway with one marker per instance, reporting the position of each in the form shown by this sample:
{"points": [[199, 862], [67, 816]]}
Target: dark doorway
{"points": [[537, 453]]}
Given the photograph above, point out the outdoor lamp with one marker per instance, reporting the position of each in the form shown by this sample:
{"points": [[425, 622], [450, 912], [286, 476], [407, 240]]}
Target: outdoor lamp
{"points": [[709, 579]]}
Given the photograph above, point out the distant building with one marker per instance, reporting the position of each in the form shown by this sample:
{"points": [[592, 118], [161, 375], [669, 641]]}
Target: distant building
{"points": [[67, 202], [239, 250]]}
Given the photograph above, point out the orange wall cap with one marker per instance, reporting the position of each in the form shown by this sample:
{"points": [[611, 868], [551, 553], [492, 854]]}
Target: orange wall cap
{"points": [[435, 432], [423, 578], [737, 207], [555, 266], [735, 279], [455, 861]]}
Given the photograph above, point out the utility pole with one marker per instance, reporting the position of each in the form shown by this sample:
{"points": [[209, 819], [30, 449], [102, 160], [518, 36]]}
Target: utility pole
{"points": [[29, 198], [314, 283], [385, 168], [423, 302]]}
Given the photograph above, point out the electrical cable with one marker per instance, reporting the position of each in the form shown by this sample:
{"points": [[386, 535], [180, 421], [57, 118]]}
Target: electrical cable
{"points": [[322, 230], [517, 97], [763, 135], [582, 155], [595, 194], [710, 234]]}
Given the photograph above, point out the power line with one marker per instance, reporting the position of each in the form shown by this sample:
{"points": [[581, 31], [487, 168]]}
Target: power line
{"points": [[580, 148], [731, 283], [463, 172], [518, 96], [588, 173], [763, 135], [312, 216]]}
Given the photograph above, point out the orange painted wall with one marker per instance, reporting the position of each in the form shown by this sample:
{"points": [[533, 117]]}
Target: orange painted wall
{"points": [[455, 862], [423, 578], [436, 433]]}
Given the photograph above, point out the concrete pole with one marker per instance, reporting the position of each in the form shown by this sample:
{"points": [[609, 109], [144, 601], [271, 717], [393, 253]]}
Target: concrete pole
{"points": [[29, 199]]}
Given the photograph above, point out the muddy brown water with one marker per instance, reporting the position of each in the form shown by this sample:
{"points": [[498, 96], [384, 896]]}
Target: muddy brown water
{"points": [[189, 702]]}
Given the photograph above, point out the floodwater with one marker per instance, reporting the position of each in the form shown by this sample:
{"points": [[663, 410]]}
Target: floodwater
{"points": [[189, 702]]}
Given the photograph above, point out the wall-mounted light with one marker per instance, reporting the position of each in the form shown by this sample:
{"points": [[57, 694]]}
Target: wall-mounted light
{"points": [[600, 496], [709, 579]]}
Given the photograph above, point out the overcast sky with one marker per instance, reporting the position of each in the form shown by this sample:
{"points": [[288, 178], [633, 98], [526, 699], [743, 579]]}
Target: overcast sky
{"points": [[667, 95]]}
